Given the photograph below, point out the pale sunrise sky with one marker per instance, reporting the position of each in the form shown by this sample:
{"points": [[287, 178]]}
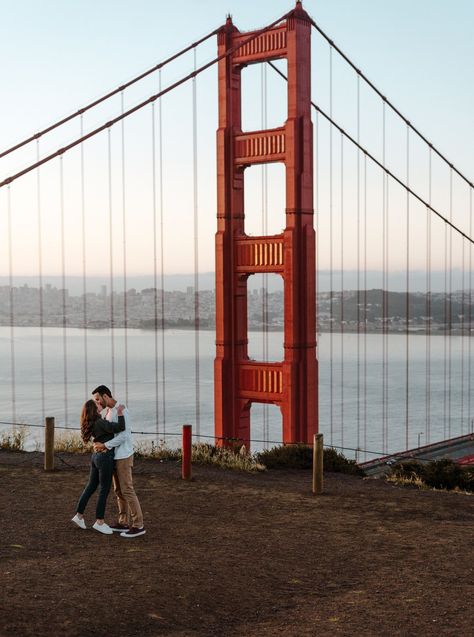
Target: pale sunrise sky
{"points": [[59, 55]]}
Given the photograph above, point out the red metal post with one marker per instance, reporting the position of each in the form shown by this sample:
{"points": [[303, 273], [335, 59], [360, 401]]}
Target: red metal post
{"points": [[186, 452], [292, 383]]}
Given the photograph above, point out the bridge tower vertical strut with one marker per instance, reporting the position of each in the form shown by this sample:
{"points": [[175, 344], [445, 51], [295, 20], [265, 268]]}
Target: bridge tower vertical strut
{"points": [[291, 384]]}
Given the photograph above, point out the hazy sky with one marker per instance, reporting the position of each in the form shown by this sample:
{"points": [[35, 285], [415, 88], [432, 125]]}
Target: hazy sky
{"points": [[58, 54]]}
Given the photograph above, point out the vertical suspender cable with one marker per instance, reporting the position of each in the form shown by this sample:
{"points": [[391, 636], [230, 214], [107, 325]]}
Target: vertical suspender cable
{"points": [[469, 369], [196, 259], [342, 290], [84, 266], [124, 255], [40, 281], [64, 291], [111, 258], [384, 309], [450, 305], [385, 335], [12, 304], [155, 264], [407, 300], [264, 175], [445, 343], [428, 307], [463, 337], [365, 304], [358, 265], [331, 293], [162, 263], [316, 220]]}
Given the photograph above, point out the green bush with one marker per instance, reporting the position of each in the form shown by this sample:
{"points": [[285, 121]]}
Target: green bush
{"points": [[436, 474], [301, 457], [337, 462]]}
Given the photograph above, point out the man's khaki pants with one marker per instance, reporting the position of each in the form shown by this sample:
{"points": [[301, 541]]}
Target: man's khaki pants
{"points": [[130, 511]]}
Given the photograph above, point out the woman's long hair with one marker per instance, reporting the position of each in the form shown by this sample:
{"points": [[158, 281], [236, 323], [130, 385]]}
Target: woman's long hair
{"points": [[88, 418]]}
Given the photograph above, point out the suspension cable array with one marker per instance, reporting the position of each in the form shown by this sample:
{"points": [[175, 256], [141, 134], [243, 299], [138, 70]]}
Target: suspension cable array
{"points": [[390, 185]]}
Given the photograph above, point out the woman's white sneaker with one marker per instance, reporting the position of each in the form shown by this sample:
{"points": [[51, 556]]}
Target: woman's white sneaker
{"points": [[102, 528], [79, 522]]}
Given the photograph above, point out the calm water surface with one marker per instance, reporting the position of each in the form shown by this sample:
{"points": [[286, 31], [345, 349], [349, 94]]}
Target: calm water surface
{"points": [[355, 419]]}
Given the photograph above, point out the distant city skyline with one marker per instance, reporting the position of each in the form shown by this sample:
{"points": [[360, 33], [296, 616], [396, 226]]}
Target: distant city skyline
{"points": [[180, 282]]}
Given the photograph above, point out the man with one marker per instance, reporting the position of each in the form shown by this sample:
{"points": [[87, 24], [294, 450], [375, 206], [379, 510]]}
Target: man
{"points": [[130, 521]]}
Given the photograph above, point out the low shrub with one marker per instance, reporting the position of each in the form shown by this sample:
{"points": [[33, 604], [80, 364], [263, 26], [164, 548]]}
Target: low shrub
{"points": [[301, 457], [287, 457], [204, 453]]}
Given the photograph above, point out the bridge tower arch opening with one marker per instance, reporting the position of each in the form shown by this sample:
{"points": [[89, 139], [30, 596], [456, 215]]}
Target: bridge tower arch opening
{"points": [[239, 381]]}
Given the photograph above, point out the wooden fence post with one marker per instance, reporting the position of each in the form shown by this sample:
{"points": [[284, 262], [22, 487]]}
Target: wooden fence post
{"points": [[318, 447], [186, 452], [49, 444]]}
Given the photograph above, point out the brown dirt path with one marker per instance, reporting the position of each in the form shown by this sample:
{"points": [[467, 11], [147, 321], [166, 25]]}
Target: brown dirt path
{"points": [[234, 555]]}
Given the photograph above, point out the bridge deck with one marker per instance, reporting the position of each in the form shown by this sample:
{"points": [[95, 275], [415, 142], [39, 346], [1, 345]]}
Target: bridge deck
{"points": [[460, 449]]}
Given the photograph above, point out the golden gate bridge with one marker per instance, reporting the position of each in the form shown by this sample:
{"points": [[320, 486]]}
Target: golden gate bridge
{"points": [[352, 199]]}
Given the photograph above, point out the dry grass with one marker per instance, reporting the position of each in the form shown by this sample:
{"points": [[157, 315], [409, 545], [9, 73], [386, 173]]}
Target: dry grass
{"points": [[202, 453], [412, 480], [71, 442], [15, 439]]}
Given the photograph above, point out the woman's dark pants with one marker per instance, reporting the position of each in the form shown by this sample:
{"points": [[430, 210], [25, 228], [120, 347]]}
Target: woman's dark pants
{"points": [[102, 469]]}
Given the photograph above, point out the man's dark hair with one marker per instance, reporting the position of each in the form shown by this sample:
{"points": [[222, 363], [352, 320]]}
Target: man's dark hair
{"points": [[102, 389]]}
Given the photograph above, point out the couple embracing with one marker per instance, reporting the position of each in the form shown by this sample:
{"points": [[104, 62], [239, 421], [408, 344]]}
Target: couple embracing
{"points": [[106, 423]]}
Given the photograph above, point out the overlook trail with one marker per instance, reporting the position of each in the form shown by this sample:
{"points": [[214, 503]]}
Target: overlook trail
{"points": [[366, 558]]}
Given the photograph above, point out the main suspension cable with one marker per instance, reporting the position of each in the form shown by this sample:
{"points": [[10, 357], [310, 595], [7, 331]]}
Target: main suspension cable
{"points": [[389, 103], [98, 101], [141, 105], [380, 165]]}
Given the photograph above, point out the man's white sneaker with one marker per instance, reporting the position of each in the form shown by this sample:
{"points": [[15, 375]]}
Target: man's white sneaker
{"points": [[102, 528], [79, 522]]}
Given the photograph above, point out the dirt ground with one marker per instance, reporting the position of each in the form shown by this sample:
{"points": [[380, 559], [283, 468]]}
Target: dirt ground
{"points": [[232, 554]]}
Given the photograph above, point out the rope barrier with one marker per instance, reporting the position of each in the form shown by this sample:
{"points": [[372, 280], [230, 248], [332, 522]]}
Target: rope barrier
{"points": [[120, 89], [207, 437]]}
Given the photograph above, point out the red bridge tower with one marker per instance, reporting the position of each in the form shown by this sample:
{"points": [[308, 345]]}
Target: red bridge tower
{"points": [[293, 383]]}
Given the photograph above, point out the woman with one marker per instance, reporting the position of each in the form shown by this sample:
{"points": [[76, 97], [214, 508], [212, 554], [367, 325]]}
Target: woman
{"points": [[95, 428]]}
